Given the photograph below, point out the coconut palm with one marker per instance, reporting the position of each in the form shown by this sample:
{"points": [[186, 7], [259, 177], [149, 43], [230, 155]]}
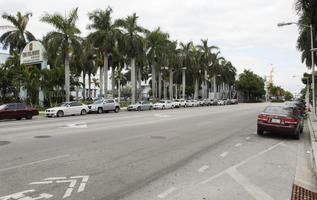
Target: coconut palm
{"points": [[206, 61], [64, 39], [17, 38], [156, 45], [187, 60], [104, 37], [215, 69], [133, 45]]}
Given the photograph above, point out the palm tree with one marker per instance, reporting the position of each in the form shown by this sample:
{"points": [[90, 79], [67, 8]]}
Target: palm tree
{"points": [[64, 39], [17, 38], [215, 69], [133, 45], [104, 37], [156, 45], [196, 68], [206, 59], [187, 60]]}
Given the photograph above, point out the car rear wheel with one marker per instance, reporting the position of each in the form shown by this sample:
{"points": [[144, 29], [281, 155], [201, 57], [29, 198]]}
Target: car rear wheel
{"points": [[116, 110], [29, 115], [163, 107], [260, 132], [100, 110], [19, 118], [139, 109], [60, 113], [297, 134], [83, 112], [151, 108]]}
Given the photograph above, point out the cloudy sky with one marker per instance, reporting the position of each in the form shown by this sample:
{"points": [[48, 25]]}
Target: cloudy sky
{"points": [[245, 30]]}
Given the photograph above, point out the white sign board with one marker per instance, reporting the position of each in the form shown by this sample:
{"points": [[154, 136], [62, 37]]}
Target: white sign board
{"points": [[33, 52]]}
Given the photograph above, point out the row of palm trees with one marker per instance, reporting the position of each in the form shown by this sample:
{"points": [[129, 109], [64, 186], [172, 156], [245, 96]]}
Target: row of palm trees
{"points": [[125, 47]]}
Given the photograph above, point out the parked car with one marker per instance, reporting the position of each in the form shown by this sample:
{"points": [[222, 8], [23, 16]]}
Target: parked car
{"points": [[195, 103], [17, 111], [207, 102], [141, 105], [280, 119], [299, 107], [221, 102], [176, 103], [234, 101], [104, 105], [189, 103], [163, 104], [214, 102], [67, 108], [200, 103]]}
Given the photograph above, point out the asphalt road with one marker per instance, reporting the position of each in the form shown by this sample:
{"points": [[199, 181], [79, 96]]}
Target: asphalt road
{"points": [[185, 154]]}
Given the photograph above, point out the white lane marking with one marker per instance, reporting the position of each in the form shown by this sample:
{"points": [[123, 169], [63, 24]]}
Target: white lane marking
{"points": [[241, 163], [203, 168], [36, 162], [40, 182], [253, 190], [54, 178], [161, 115], [248, 138], [72, 183], [238, 145], [22, 195], [167, 192], [224, 154], [77, 125]]}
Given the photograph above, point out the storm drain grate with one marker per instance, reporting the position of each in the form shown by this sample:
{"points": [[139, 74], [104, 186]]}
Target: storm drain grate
{"points": [[300, 193]]}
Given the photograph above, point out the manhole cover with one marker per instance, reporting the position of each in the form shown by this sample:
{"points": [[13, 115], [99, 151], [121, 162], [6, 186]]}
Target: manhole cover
{"points": [[4, 142], [158, 137], [42, 136], [300, 193]]}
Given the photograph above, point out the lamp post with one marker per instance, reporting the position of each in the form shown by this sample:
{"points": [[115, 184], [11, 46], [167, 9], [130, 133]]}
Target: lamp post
{"points": [[312, 58]]}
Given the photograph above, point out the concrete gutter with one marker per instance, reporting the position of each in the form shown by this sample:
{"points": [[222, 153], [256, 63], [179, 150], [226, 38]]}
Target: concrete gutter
{"points": [[312, 126]]}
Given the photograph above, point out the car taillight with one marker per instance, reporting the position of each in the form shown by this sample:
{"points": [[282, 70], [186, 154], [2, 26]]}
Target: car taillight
{"points": [[263, 118], [291, 121]]}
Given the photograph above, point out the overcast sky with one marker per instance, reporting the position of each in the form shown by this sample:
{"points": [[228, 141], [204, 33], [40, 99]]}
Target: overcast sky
{"points": [[245, 30]]}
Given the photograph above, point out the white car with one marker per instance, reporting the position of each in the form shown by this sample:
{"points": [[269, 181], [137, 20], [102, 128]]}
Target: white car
{"points": [[189, 103], [67, 108], [176, 104], [221, 102], [195, 103], [163, 104]]}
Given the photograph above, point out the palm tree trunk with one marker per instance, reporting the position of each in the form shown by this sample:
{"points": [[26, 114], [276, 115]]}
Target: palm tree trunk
{"points": [[139, 83], [153, 82], [196, 89], [133, 79], [206, 85], [84, 85], [113, 82], [119, 92], [101, 82], [171, 85], [67, 73], [165, 89], [105, 68], [215, 87], [183, 82], [89, 85], [176, 91], [160, 86]]}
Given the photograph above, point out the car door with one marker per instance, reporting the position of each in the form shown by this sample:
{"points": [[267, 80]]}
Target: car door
{"points": [[110, 104], [21, 110], [73, 109], [10, 111]]}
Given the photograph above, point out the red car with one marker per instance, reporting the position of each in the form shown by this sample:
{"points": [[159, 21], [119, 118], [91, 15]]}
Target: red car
{"points": [[280, 119], [17, 111]]}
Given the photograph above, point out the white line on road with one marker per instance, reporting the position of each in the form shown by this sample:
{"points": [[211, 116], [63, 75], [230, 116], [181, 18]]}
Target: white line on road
{"points": [[54, 178], [238, 145], [253, 190], [167, 192], [40, 182], [32, 163], [224, 154], [203, 168]]}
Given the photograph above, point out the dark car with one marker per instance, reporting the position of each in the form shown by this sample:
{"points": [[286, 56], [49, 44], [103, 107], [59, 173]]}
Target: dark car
{"points": [[17, 111], [280, 119], [299, 106]]}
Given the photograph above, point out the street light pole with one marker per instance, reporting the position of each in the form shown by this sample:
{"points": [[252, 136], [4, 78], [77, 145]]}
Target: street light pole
{"points": [[312, 58]]}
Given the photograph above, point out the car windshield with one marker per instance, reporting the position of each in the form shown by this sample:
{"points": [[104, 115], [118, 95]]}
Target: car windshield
{"points": [[64, 104], [278, 110], [98, 102], [161, 101], [3, 106]]}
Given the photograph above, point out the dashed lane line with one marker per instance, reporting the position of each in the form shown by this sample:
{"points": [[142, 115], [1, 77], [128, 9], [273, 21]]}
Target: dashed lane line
{"points": [[167, 192], [224, 154], [203, 168]]}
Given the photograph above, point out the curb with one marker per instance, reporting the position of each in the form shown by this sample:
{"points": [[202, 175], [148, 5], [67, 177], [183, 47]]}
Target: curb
{"points": [[313, 144]]}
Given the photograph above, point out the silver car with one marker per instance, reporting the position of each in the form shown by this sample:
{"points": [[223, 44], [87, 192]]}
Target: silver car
{"points": [[104, 105], [141, 105]]}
